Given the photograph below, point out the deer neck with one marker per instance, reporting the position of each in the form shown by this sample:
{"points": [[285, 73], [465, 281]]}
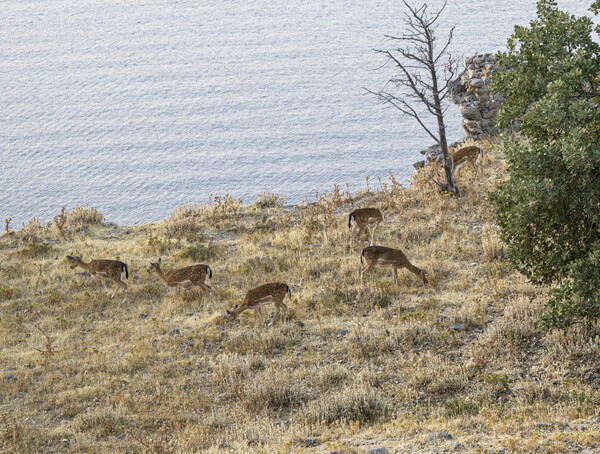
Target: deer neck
{"points": [[413, 268], [162, 276], [85, 266]]}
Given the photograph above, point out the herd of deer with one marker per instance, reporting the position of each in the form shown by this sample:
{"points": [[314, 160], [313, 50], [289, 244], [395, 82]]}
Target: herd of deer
{"points": [[273, 293]]}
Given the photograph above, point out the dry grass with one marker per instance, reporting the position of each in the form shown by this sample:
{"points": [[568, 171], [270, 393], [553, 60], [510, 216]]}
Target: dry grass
{"points": [[358, 364]]}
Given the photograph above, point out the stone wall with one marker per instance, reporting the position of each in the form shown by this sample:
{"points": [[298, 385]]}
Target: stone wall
{"points": [[477, 104]]}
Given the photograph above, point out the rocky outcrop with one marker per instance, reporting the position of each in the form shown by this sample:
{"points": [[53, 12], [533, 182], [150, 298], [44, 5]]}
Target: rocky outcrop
{"points": [[477, 104]]}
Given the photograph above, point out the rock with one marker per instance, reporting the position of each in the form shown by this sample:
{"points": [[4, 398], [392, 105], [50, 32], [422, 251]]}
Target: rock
{"points": [[456, 327], [224, 445], [377, 451], [445, 435], [477, 83], [470, 113], [456, 446], [541, 425], [175, 332], [9, 377], [189, 313], [344, 332], [310, 441], [144, 315], [276, 351], [220, 327]]}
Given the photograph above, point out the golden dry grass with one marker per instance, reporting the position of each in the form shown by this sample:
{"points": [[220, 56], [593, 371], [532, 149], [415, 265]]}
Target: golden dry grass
{"points": [[359, 365]]}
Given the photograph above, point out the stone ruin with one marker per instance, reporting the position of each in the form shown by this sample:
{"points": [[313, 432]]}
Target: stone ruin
{"points": [[477, 104]]}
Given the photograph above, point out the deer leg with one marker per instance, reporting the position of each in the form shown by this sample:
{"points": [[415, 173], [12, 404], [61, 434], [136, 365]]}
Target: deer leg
{"points": [[277, 309], [206, 289], [395, 274], [364, 269], [373, 232], [117, 289], [257, 315], [355, 228]]}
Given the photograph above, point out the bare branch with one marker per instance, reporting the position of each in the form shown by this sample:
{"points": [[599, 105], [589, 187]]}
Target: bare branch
{"points": [[422, 80]]}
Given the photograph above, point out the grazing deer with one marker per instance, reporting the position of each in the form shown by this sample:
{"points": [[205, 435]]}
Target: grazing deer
{"points": [[466, 155], [184, 277], [385, 256], [258, 297], [111, 269], [364, 218]]}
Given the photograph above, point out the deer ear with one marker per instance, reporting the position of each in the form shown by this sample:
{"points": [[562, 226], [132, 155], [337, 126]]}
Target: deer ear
{"points": [[236, 306], [229, 312], [80, 256], [159, 260]]}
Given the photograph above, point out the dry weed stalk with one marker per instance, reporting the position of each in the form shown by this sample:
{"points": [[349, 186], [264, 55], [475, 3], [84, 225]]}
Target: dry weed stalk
{"points": [[48, 351], [60, 222], [6, 228], [12, 431]]}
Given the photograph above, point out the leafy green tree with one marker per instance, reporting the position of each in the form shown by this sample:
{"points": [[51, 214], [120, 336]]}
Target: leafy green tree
{"points": [[549, 207]]}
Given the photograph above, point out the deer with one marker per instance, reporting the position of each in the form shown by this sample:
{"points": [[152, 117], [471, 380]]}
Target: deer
{"points": [[364, 218], [259, 296], [102, 269], [188, 277], [385, 256], [466, 155]]}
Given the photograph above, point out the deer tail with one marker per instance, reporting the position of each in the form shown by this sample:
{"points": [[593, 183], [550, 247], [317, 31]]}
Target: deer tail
{"points": [[209, 272], [350, 219], [126, 271]]}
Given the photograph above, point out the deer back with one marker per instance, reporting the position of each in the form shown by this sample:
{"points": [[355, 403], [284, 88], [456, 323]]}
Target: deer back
{"points": [[112, 268], [366, 215], [196, 274], [276, 290], [384, 255], [470, 153]]}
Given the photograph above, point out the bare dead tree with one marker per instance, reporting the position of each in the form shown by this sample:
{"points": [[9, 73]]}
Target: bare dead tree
{"points": [[419, 87]]}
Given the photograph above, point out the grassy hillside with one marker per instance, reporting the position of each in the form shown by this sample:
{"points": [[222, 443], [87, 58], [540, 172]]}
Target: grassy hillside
{"points": [[358, 365]]}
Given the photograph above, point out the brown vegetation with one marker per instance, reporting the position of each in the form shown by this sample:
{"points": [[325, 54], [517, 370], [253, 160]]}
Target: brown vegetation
{"points": [[366, 365]]}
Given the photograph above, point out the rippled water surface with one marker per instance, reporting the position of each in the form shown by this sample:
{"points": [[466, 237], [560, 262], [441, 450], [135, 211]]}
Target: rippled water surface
{"points": [[138, 107]]}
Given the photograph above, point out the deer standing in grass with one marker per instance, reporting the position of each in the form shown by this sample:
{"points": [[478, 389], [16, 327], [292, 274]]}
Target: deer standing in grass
{"points": [[111, 269], [363, 219], [466, 155], [260, 296], [385, 256], [194, 275]]}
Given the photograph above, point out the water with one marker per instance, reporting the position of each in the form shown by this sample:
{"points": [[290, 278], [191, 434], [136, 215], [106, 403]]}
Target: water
{"points": [[138, 107]]}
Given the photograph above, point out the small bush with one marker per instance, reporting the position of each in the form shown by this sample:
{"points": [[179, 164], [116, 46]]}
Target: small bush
{"points": [[7, 293], [354, 403], [36, 250], [199, 252], [85, 215], [269, 200], [274, 390]]}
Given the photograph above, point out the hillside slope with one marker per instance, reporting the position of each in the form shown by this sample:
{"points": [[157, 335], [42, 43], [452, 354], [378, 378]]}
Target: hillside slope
{"points": [[358, 365]]}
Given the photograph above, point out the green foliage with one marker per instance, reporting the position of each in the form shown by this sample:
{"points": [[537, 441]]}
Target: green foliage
{"points": [[7, 293], [36, 250], [548, 209], [199, 252]]}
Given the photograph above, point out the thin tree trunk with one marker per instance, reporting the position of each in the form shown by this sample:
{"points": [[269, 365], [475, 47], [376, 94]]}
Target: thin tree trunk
{"points": [[450, 186]]}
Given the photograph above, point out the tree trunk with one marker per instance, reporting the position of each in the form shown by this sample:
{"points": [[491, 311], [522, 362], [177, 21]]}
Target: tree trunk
{"points": [[450, 186]]}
